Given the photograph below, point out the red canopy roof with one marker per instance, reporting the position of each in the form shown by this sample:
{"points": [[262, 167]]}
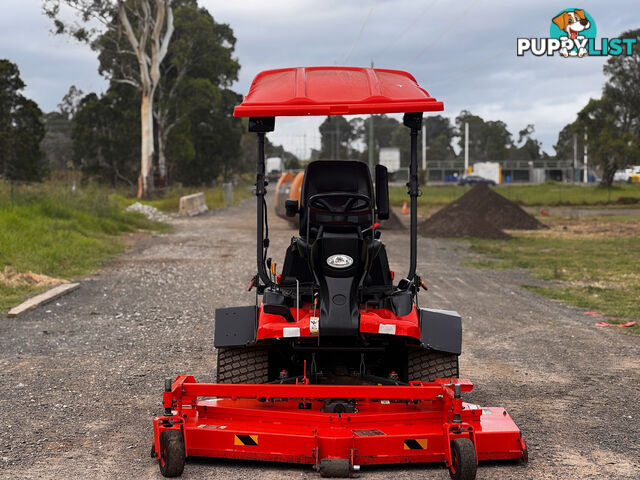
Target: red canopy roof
{"points": [[334, 91]]}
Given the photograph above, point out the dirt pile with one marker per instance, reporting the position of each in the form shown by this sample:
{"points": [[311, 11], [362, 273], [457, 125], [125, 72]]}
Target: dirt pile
{"points": [[12, 278], [481, 213], [393, 223]]}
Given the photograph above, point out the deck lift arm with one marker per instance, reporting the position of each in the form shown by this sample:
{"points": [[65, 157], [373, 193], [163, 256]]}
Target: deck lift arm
{"points": [[417, 423]]}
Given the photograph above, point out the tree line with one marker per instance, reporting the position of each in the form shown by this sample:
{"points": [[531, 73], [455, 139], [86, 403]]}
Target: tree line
{"points": [[612, 122], [488, 139], [166, 115]]}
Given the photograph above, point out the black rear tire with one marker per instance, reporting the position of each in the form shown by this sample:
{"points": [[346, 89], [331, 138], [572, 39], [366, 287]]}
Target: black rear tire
{"points": [[172, 453], [424, 365], [243, 365], [464, 463]]}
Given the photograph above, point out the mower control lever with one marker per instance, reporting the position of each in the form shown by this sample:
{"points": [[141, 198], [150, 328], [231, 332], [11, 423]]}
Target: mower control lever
{"points": [[420, 283], [374, 226]]}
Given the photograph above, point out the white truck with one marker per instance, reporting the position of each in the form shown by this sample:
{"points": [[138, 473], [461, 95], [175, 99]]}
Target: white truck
{"points": [[273, 167], [489, 170], [627, 175], [390, 158]]}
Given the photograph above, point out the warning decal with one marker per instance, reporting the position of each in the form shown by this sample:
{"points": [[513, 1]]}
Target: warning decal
{"points": [[415, 444], [246, 440]]}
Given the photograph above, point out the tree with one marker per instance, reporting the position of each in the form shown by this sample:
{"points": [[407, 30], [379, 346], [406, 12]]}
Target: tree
{"points": [[106, 142], [440, 148], [69, 104], [564, 145], [530, 148], [57, 143], [198, 67], [621, 87], [610, 143], [21, 128], [336, 133], [437, 126], [383, 128], [291, 162], [488, 140], [612, 123], [215, 135], [148, 27], [199, 63]]}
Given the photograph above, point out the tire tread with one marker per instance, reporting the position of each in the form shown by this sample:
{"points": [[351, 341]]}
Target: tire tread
{"points": [[243, 365], [425, 365]]}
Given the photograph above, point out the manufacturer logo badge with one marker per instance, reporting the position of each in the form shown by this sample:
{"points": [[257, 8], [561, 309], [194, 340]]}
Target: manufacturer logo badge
{"points": [[340, 260]]}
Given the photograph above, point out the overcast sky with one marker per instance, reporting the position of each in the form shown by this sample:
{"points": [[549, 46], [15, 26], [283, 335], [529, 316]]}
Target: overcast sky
{"points": [[461, 52]]}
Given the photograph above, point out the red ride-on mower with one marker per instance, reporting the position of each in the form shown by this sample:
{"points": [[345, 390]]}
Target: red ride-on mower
{"points": [[336, 366]]}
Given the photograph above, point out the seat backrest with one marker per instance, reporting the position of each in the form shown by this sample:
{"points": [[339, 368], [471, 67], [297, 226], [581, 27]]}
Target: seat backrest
{"points": [[324, 176]]}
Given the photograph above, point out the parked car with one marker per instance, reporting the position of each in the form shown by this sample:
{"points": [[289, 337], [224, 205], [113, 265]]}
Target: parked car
{"points": [[473, 179]]}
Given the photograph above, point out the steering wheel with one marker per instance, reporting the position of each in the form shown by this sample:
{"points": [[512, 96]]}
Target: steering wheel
{"points": [[322, 201]]}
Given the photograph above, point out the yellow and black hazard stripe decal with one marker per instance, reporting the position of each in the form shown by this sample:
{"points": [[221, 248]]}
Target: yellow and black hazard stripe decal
{"points": [[415, 444], [246, 440]]}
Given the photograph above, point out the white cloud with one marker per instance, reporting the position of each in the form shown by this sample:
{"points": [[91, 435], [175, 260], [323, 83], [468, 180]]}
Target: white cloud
{"points": [[461, 52]]}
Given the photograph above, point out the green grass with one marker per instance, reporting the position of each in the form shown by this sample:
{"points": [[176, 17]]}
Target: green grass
{"points": [[48, 229], [598, 272], [547, 194], [169, 201]]}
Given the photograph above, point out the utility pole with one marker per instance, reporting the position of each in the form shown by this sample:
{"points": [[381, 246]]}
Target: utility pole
{"points": [[304, 146], [371, 159], [585, 175], [575, 157], [424, 147], [466, 147]]}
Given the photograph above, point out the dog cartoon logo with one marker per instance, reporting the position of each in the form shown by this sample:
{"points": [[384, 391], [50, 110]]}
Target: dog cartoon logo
{"points": [[573, 34], [576, 25]]}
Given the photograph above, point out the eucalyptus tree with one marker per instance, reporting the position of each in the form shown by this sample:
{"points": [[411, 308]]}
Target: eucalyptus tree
{"points": [[147, 26]]}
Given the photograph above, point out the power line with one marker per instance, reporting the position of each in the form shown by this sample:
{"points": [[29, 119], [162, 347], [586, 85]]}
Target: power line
{"points": [[443, 32], [463, 72], [359, 35], [416, 19]]}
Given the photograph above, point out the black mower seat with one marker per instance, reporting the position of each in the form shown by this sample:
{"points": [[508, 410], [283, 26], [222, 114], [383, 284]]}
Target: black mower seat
{"points": [[335, 177]]}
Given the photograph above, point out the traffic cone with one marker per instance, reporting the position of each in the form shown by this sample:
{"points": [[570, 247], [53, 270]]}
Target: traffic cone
{"points": [[404, 208]]}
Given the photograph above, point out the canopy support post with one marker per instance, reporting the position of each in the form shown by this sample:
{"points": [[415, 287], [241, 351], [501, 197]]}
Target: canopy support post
{"points": [[261, 125], [413, 120]]}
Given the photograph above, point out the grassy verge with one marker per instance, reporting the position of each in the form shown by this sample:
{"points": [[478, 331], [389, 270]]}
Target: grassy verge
{"points": [[548, 194], [48, 229], [169, 201], [592, 262]]}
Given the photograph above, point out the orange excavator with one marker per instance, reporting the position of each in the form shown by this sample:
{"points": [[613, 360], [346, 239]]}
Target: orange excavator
{"points": [[288, 187]]}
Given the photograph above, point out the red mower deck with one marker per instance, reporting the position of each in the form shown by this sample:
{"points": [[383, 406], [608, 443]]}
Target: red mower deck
{"points": [[373, 392], [286, 423]]}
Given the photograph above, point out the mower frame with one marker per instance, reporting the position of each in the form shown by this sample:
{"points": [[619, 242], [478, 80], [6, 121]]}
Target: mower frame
{"points": [[335, 428]]}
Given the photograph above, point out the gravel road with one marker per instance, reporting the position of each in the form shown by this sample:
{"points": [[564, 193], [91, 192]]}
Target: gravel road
{"points": [[83, 377]]}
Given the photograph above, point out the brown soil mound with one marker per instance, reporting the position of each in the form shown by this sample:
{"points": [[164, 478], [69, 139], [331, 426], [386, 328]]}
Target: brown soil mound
{"points": [[393, 223], [480, 212], [459, 224]]}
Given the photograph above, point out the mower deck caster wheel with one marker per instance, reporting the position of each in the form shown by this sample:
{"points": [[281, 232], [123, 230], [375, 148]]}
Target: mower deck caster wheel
{"points": [[464, 462], [172, 454]]}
